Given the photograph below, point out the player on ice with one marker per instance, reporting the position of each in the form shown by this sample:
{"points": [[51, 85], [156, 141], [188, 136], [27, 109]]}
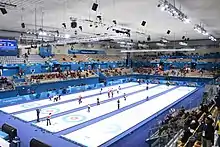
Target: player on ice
{"points": [[118, 104], [101, 91], [147, 98], [80, 99], [109, 92], [117, 91], [38, 114], [48, 119], [147, 87], [125, 96], [88, 107], [98, 103]]}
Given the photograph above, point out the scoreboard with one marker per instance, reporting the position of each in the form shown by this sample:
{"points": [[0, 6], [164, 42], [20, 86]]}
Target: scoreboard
{"points": [[8, 47]]}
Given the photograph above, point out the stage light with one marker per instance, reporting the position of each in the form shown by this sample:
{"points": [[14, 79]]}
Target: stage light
{"points": [[114, 22], [149, 38], [183, 43], [67, 36], [4, 11], [64, 25], [168, 31], [173, 11], [80, 27]]}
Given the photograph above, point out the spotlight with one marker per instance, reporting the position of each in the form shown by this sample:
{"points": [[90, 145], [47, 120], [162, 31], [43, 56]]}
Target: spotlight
{"points": [[99, 17], [148, 38], [143, 23], [114, 21], [4, 11], [168, 31], [183, 43], [94, 6], [80, 27], [23, 25], [64, 25], [67, 36], [73, 24]]}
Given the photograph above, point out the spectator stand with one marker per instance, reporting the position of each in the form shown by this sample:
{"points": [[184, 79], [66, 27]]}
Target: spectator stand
{"points": [[168, 128], [168, 133], [192, 137]]}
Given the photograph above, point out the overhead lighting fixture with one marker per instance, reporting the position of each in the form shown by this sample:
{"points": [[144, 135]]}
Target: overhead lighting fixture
{"points": [[164, 40], [173, 11], [159, 50], [161, 44], [212, 38], [42, 33], [67, 36], [200, 29], [183, 43], [3, 10]]}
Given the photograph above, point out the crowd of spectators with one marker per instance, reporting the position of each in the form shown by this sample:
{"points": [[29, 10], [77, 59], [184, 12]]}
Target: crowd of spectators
{"points": [[116, 71], [199, 129], [5, 84], [183, 72], [56, 76], [198, 125]]}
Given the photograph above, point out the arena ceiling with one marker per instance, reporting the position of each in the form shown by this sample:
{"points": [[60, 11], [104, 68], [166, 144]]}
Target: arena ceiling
{"points": [[50, 14]]}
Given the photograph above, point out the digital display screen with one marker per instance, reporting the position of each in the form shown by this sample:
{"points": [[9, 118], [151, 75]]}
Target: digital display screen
{"points": [[8, 45]]}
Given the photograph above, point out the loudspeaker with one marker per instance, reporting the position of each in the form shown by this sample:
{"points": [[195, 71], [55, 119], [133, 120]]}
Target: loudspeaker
{"points": [[11, 131], [3, 10], [73, 24], [37, 143], [22, 25], [94, 6], [168, 31], [143, 23]]}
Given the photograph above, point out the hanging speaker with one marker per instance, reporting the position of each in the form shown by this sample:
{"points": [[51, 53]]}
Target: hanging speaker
{"points": [[168, 31], [37, 143], [73, 24], [4, 11], [94, 6], [23, 25], [143, 23]]}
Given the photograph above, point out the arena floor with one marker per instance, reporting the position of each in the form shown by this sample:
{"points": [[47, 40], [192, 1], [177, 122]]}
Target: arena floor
{"points": [[105, 121]]}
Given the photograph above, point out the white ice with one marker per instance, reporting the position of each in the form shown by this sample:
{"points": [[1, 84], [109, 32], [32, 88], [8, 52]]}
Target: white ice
{"points": [[59, 123], [44, 102], [31, 115], [105, 130]]}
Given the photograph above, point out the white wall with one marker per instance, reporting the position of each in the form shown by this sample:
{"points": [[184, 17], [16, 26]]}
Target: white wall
{"points": [[64, 49], [60, 49]]}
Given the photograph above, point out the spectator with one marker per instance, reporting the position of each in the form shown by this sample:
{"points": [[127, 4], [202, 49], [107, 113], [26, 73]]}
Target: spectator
{"points": [[208, 132]]}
